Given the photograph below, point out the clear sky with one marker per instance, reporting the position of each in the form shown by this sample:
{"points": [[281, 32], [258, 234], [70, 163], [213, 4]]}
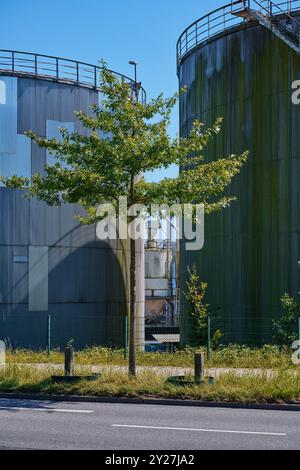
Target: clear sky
{"points": [[115, 30]]}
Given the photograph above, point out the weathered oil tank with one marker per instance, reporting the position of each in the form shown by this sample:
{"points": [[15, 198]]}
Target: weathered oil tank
{"points": [[239, 62], [49, 262]]}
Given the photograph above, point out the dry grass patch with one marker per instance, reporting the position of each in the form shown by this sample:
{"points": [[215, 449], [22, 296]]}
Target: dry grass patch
{"points": [[285, 387]]}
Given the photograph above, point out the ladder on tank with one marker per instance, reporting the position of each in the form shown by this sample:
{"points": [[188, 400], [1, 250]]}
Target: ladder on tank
{"points": [[271, 16]]}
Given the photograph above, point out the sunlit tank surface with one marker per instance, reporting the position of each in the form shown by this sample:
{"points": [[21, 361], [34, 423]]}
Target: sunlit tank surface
{"points": [[49, 262], [242, 71]]}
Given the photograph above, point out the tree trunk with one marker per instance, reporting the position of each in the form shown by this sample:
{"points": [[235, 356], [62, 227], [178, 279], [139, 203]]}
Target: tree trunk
{"points": [[132, 364]]}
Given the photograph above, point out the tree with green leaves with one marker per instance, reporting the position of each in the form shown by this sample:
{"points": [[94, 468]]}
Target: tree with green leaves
{"points": [[125, 139], [198, 310]]}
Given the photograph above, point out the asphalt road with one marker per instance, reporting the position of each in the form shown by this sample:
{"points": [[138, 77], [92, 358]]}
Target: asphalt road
{"points": [[28, 424]]}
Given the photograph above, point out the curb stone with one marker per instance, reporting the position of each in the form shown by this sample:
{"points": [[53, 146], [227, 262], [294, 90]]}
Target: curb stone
{"points": [[152, 401]]}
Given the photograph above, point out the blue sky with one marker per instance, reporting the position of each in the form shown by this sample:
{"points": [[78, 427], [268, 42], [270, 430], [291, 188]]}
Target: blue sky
{"points": [[115, 30]]}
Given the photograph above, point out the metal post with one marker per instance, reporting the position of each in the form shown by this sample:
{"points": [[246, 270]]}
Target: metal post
{"points": [[199, 367], [125, 336], [299, 331], [95, 76], [49, 334], [2, 352], [35, 65], [136, 84], [57, 73], [136, 90], [77, 71], [13, 61], [69, 361], [208, 339]]}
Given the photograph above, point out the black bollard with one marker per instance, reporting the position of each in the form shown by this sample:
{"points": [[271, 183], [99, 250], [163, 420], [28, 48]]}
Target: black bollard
{"points": [[199, 367], [69, 361]]}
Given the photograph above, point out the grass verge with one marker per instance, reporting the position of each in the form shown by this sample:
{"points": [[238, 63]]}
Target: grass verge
{"points": [[284, 388], [266, 357]]}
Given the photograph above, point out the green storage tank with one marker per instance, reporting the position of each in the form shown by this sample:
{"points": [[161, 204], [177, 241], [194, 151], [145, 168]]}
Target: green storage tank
{"points": [[234, 65]]}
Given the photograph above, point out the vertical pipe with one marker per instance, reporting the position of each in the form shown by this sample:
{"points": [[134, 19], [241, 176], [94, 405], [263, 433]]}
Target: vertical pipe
{"points": [[168, 272], [208, 339], [95, 77], [49, 334], [125, 336], [2, 352], [299, 331], [137, 90]]}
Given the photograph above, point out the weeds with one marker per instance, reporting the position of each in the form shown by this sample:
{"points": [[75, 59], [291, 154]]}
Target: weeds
{"points": [[284, 387], [266, 357]]}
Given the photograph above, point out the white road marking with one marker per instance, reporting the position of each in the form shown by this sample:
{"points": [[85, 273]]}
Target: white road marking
{"points": [[200, 430], [49, 410]]}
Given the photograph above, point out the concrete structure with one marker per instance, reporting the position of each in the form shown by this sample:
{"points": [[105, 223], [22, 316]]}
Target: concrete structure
{"points": [[236, 66], [49, 263]]}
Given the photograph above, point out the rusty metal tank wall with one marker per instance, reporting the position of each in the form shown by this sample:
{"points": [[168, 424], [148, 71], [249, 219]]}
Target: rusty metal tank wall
{"points": [[251, 249], [49, 262]]}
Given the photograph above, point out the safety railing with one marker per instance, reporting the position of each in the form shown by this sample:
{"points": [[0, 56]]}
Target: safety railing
{"points": [[223, 19], [281, 19], [271, 8], [58, 69], [286, 6]]}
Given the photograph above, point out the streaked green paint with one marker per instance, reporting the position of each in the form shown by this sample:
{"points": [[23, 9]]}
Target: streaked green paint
{"points": [[251, 250]]}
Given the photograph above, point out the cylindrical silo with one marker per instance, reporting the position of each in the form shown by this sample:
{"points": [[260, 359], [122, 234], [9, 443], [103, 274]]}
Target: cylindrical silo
{"points": [[238, 68], [49, 262]]}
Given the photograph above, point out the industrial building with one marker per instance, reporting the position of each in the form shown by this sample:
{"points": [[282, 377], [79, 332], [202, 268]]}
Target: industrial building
{"points": [[50, 264], [239, 62], [162, 293]]}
